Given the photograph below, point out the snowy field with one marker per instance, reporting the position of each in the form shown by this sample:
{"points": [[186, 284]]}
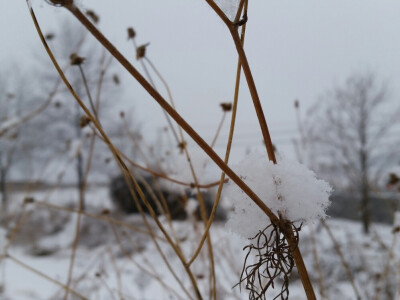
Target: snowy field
{"points": [[115, 261]]}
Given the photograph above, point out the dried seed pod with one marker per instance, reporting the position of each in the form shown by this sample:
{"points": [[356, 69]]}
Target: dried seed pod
{"points": [[122, 114], [226, 106], [116, 79], [182, 146], [49, 36], [84, 121], [141, 51], [296, 103], [92, 15], [75, 59], [131, 33]]}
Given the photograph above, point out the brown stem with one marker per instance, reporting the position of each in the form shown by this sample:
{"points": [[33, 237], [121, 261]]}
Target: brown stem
{"points": [[164, 104]]}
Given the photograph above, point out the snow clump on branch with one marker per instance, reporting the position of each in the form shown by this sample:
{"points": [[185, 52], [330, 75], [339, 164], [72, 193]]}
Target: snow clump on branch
{"points": [[287, 187]]}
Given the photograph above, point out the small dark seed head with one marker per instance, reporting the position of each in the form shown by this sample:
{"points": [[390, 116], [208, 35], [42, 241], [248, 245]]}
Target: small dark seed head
{"points": [[116, 79], [182, 146], [131, 33], [122, 114], [75, 59], [141, 51], [84, 121], [296, 103], [49, 36], [226, 106], [92, 15]]}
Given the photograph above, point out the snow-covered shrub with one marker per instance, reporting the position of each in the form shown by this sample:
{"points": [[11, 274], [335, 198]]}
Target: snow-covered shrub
{"points": [[288, 187]]}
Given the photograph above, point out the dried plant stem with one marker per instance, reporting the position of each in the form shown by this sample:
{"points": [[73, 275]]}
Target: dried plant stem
{"points": [[218, 130], [213, 292], [37, 272], [128, 176], [249, 78], [267, 139], [140, 267], [316, 260], [227, 152], [162, 175], [154, 86], [85, 83], [164, 104], [98, 217], [82, 186], [342, 259]]}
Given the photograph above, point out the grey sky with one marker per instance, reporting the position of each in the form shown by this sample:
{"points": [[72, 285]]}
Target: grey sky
{"points": [[297, 49]]}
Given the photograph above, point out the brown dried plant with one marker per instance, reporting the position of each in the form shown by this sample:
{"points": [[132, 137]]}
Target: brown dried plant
{"points": [[269, 258]]}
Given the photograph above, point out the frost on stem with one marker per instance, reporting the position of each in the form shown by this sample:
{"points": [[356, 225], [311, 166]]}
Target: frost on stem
{"points": [[294, 194]]}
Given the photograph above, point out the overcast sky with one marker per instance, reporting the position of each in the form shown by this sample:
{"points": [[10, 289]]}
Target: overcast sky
{"points": [[297, 49]]}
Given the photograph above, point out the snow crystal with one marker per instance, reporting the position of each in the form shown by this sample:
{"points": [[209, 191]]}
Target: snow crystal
{"points": [[287, 187], [229, 7]]}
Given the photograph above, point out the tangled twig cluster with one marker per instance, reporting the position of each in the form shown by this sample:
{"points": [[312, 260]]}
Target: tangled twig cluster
{"points": [[273, 259]]}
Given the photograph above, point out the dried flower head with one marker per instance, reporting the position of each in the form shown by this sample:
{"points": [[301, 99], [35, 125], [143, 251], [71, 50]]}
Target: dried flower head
{"points": [[92, 15], [49, 36], [75, 59], [122, 114], [226, 106], [296, 103], [116, 79], [84, 121], [131, 33], [182, 146], [141, 51]]}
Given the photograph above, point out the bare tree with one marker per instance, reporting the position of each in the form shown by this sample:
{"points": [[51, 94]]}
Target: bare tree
{"points": [[349, 134]]}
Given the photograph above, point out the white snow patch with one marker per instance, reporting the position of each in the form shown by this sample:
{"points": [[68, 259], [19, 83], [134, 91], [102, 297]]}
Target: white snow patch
{"points": [[287, 187], [229, 7]]}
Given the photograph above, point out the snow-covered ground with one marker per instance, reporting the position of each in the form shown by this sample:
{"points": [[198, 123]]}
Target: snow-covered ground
{"points": [[116, 262]]}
